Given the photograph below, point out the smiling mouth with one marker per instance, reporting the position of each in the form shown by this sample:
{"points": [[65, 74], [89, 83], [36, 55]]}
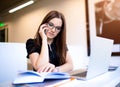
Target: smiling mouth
{"points": [[51, 34]]}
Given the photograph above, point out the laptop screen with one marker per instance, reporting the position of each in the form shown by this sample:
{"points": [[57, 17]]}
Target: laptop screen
{"points": [[13, 60]]}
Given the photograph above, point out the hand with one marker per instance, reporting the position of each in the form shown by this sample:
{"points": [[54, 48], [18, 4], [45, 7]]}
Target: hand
{"points": [[42, 31], [46, 68], [57, 69]]}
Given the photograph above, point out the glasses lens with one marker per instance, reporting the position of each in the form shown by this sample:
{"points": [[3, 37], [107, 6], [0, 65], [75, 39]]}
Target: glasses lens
{"points": [[58, 28], [51, 25]]}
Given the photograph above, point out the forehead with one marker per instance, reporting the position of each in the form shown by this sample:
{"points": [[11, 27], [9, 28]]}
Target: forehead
{"points": [[56, 21]]}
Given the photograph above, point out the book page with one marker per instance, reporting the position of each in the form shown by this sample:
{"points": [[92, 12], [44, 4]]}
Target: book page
{"points": [[32, 76]]}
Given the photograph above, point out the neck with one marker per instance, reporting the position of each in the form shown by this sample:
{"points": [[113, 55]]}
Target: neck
{"points": [[49, 41]]}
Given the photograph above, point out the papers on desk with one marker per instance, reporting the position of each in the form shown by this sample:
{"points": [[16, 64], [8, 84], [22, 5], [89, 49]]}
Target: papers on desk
{"points": [[33, 77]]}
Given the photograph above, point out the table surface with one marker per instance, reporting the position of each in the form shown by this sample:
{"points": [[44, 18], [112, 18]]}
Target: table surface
{"points": [[109, 79]]}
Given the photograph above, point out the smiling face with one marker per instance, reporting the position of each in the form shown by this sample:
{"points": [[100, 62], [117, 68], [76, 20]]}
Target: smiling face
{"points": [[54, 27]]}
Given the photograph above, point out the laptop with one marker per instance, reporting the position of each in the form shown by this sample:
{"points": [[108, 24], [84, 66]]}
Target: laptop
{"points": [[12, 60], [101, 50]]}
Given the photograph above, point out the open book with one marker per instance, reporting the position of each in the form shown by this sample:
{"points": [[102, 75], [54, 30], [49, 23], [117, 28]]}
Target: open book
{"points": [[33, 77]]}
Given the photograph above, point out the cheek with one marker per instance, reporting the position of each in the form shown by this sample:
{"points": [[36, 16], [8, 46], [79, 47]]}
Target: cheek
{"points": [[57, 33]]}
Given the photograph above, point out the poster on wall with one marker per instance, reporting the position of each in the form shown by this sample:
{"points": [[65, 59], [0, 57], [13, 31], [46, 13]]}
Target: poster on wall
{"points": [[107, 15], [107, 21]]}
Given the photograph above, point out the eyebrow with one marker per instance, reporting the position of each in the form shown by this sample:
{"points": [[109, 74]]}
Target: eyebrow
{"points": [[54, 25]]}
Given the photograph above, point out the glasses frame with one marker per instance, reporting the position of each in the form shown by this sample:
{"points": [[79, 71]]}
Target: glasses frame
{"points": [[57, 28]]}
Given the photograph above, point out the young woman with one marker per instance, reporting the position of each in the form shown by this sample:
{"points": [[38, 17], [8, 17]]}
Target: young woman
{"points": [[48, 50]]}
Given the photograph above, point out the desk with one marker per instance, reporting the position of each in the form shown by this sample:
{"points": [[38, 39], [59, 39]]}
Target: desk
{"points": [[109, 79]]}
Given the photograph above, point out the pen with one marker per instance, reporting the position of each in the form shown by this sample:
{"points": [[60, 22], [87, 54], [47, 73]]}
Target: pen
{"points": [[64, 82]]}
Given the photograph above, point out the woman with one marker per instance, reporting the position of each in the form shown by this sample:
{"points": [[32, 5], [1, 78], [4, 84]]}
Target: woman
{"points": [[48, 51]]}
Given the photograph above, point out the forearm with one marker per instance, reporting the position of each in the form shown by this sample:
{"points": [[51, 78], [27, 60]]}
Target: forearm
{"points": [[68, 66], [44, 55], [65, 67]]}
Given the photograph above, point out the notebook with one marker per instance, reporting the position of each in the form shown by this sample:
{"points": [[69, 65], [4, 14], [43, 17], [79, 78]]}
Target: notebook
{"points": [[12, 60], [101, 50], [30, 76]]}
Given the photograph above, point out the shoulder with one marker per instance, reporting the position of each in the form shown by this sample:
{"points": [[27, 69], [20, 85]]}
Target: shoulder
{"points": [[30, 41], [31, 46]]}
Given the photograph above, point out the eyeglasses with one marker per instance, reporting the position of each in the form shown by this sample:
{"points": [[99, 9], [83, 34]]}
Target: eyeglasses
{"points": [[51, 26]]}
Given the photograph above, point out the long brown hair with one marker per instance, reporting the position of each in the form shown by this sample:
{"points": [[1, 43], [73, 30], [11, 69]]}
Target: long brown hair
{"points": [[60, 39]]}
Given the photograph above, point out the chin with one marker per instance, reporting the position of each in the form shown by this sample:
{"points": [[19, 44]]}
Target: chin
{"points": [[50, 37]]}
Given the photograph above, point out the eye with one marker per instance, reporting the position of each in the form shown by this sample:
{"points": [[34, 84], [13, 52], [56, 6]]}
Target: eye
{"points": [[50, 24], [58, 28]]}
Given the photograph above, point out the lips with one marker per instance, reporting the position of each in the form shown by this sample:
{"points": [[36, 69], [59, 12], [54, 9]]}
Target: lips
{"points": [[51, 34]]}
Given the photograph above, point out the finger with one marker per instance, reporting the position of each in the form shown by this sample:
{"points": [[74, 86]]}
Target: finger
{"points": [[46, 69], [50, 70], [43, 26], [52, 67], [41, 69]]}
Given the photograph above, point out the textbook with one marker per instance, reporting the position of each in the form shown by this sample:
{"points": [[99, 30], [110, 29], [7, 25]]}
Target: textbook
{"points": [[34, 77]]}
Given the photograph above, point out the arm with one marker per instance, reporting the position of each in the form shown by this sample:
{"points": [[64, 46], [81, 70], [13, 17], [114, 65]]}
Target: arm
{"points": [[41, 61], [68, 66], [37, 59]]}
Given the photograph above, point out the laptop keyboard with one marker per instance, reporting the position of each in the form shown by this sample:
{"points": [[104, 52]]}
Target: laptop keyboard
{"points": [[82, 74], [78, 73]]}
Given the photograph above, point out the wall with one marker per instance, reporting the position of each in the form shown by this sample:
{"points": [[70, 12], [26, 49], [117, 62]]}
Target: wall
{"points": [[23, 24], [115, 60]]}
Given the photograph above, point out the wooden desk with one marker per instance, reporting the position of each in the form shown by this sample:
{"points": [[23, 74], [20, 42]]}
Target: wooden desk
{"points": [[109, 79]]}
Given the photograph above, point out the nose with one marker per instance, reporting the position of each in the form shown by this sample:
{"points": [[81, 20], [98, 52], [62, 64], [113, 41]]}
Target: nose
{"points": [[54, 29]]}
